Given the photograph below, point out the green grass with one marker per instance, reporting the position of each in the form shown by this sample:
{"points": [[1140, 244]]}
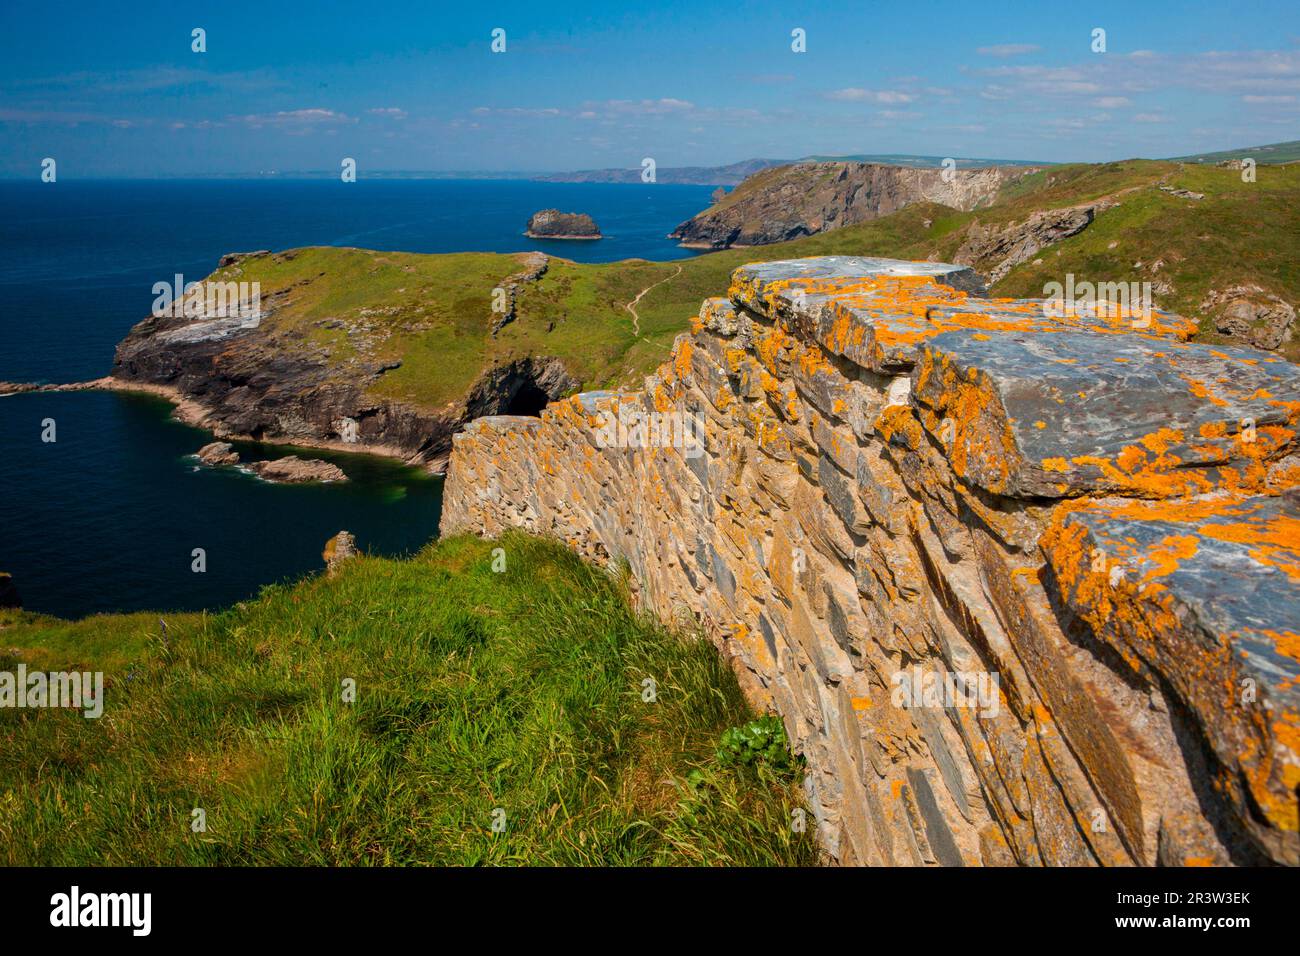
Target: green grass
{"points": [[475, 690], [1288, 152]]}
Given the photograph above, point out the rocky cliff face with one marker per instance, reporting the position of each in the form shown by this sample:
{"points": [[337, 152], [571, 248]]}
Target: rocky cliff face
{"points": [[806, 198], [268, 382], [252, 383], [1024, 588]]}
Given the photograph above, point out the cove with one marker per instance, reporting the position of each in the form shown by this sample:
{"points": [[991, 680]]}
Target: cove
{"points": [[105, 519]]}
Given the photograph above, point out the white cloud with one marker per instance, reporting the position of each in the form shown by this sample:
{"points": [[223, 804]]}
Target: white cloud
{"points": [[1248, 72], [295, 119], [392, 112], [526, 111], [1008, 49], [884, 97], [645, 107]]}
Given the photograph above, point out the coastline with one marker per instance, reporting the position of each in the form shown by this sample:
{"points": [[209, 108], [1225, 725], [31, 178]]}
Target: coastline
{"points": [[538, 235], [187, 411]]}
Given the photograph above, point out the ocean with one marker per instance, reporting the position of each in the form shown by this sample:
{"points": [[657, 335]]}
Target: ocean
{"points": [[107, 517]]}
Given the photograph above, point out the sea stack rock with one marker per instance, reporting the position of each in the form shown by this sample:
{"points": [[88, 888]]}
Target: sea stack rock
{"points": [[294, 470], [553, 224], [8, 593], [218, 453]]}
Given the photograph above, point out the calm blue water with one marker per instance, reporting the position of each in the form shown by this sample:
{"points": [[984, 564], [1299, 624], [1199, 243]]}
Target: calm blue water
{"points": [[106, 517]]}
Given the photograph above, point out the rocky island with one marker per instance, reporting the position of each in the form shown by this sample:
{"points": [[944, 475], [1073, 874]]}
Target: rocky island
{"points": [[553, 224], [294, 470], [218, 453], [395, 374], [288, 470]]}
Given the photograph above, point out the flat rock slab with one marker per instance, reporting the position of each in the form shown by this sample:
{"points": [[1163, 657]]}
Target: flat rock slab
{"points": [[503, 423], [1206, 592], [880, 318], [857, 268], [1067, 413]]}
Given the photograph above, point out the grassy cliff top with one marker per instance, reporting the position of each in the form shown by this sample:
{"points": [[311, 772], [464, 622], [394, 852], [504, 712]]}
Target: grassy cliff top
{"points": [[433, 313], [1288, 152], [475, 690]]}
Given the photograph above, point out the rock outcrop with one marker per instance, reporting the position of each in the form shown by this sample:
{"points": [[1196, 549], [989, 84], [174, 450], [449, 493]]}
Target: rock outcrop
{"points": [[338, 549], [553, 224], [294, 470], [1025, 588], [535, 264], [218, 453], [234, 258], [996, 251], [1251, 316], [806, 198]]}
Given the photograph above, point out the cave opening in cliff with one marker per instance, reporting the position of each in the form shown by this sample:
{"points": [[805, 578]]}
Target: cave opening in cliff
{"points": [[528, 399]]}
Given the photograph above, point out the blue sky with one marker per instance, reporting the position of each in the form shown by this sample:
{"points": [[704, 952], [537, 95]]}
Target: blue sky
{"points": [[397, 85]]}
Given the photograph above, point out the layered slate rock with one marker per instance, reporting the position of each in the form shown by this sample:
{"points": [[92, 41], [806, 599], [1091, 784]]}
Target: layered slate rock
{"points": [[1203, 593], [880, 313], [889, 474], [1064, 413]]}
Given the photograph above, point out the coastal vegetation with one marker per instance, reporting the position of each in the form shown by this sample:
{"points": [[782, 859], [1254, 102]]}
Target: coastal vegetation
{"points": [[467, 706]]}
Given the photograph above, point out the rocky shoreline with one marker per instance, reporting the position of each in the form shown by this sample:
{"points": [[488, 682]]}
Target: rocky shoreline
{"points": [[187, 411], [424, 440]]}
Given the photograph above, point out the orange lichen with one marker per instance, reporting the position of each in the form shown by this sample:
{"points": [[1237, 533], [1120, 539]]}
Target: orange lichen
{"points": [[683, 358]]}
